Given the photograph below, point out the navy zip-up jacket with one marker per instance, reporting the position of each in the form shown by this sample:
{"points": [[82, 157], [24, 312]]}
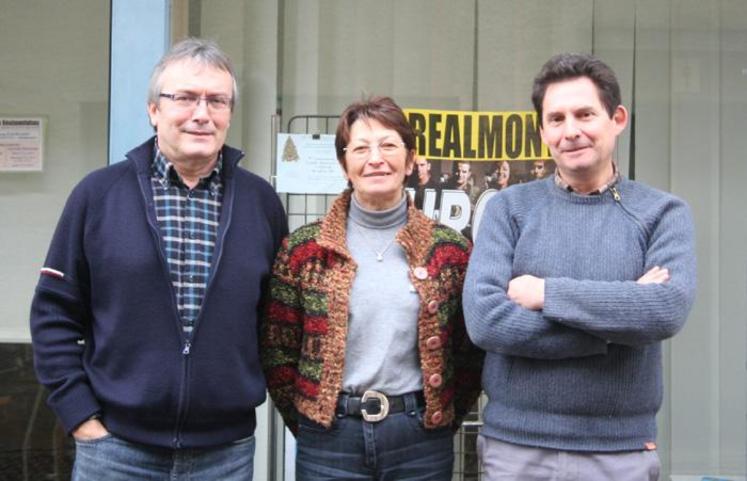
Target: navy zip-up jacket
{"points": [[106, 281]]}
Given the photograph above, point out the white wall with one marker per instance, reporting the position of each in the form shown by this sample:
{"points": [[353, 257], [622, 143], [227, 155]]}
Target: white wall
{"points": [[55, 63], [708, 89]]}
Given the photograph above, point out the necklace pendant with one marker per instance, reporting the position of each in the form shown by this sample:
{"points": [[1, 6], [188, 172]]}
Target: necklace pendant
{"points": [[379, 256]]}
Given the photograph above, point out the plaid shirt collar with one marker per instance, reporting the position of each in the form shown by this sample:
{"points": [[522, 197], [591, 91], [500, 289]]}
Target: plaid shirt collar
{"points": [[163, 171], [560, 182]]}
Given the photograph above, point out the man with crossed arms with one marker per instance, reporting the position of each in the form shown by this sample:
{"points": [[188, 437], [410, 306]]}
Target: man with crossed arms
{"points": [[573, 283]]}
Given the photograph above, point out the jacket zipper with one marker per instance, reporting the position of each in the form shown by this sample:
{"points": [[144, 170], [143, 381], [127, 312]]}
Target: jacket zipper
{"points": [[615, 194], [618, 200], [186, 343], [183, 405], [186, 350]]}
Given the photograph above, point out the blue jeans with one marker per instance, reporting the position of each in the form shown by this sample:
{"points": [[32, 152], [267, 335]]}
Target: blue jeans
{"points": [[114, 459], [396, 448]]}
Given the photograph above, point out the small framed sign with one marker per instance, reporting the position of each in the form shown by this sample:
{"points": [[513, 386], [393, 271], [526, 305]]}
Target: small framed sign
{"points": [[21, 144]]}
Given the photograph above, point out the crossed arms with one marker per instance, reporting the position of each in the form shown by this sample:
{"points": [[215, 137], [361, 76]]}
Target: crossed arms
{"points": [[522, 314]]}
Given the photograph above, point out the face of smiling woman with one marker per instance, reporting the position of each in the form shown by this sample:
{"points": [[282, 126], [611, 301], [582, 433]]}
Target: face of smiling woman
{"points": [[376, 164]]}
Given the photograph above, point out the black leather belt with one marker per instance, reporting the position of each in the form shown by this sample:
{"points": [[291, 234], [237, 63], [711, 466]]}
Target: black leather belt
{"points": [[374, 406]]}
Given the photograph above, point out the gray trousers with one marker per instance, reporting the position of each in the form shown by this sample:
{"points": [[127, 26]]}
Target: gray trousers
{"points": [[512, 462]]}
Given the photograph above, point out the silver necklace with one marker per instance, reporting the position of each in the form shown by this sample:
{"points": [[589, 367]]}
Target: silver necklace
{"points": [[379, 253]]}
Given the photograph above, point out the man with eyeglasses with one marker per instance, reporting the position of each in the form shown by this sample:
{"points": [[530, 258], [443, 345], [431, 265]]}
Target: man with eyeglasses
{"points": [[144, 320]]}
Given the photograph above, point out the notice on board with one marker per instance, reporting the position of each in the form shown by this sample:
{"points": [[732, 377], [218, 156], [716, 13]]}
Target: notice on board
{"points": [[21, 144], [307, 164]]}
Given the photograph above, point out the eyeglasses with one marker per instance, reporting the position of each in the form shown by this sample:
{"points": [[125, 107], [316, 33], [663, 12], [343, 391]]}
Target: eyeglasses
{"points": [[217, 103], [364, 151]]}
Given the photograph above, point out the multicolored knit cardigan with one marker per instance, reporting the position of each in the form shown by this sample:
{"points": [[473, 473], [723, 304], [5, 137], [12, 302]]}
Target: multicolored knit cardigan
{"points": [[306, 318]]}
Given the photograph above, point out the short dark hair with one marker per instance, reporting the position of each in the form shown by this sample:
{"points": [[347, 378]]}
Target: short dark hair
{"points": [[381, 109], [569, 66]]}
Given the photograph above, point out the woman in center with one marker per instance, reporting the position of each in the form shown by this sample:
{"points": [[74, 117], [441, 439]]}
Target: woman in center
{"points": [[364, 345]]}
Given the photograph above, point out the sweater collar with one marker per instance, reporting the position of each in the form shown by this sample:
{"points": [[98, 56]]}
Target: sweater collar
{"points": [[378, 219], [613, 192], [414, 237], [614, 179], [163, 171]]}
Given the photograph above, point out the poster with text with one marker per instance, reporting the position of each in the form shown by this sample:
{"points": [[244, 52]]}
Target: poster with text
{"points": [[463, 158]]}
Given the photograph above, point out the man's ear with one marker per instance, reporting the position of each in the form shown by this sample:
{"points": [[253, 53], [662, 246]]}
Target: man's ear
{"points": [[620, 117], [153, 114]]}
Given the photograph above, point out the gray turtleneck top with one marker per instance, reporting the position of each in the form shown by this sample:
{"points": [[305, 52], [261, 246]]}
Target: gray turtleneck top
{"points": [[381, 349]]}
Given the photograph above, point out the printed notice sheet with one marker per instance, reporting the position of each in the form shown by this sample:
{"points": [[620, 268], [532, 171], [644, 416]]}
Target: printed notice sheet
{"points": [[21, 144], [307, 164]]}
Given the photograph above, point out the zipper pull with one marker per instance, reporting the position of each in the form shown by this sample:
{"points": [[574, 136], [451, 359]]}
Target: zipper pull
{"points": [[187, 347], [615, 193]]}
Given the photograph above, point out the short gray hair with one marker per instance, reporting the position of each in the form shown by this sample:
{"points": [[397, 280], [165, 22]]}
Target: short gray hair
{"points": [[204, 52]]}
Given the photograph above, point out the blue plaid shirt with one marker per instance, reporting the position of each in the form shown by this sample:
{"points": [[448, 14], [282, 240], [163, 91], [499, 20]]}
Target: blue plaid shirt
{"points": [[188, 220]]}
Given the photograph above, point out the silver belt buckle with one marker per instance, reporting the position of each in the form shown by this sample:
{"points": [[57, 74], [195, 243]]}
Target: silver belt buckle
{"points": [[383, 410]]}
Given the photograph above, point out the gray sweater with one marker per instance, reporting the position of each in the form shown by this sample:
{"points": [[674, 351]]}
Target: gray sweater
{"points": [[585, 372], [381, 351]]}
